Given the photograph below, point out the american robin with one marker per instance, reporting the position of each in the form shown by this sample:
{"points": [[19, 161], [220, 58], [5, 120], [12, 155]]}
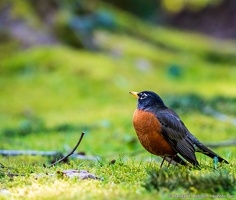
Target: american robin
{"points": [[161, 131]]}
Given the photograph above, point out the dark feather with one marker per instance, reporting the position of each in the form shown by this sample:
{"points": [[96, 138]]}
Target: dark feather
{"points": [[176, 134], [203, 149], [180, 139]]}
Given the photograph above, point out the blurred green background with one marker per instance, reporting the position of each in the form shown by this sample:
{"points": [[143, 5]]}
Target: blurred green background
{"points": [[67, 66]]}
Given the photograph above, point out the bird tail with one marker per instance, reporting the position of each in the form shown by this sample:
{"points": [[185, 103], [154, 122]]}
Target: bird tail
{"points": [[203, 149]]}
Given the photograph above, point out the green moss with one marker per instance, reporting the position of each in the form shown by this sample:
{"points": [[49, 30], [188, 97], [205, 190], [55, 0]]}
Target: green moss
{"points": [[200, 182], [122, 179]]}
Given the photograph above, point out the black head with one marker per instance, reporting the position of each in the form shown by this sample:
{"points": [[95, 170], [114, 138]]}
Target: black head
{"points": [[148, 100]]}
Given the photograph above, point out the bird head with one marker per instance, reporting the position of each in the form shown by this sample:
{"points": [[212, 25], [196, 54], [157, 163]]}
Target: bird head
{"points": [[148, 100]]}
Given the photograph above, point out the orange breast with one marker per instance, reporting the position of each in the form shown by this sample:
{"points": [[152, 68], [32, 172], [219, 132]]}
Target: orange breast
{"points": [[148, 129]]}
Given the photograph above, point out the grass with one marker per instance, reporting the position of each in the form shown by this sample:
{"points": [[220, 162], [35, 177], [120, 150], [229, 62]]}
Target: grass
{"points": [[50, 94]]}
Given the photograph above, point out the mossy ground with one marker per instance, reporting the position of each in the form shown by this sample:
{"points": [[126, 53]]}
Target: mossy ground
{"points": [[44, 88]]}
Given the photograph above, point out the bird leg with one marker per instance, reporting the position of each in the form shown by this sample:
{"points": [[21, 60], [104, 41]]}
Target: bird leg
{"points": [[163, 161], [170, 160]]}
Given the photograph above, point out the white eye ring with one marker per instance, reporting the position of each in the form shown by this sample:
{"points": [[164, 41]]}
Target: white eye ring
{"points": [[143, 96]]}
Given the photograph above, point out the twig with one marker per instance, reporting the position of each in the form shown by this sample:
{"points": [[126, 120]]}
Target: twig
{"points": [[54, 154], [30, 152], [222, 144], [67, 156]]}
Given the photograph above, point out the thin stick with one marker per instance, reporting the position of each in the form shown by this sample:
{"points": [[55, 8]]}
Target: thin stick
{"points": [[73, 150], [29, 152], [222, 144]]}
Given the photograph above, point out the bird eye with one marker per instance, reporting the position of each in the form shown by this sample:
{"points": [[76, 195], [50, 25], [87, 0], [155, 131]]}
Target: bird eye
{"points": [[143, 95]]}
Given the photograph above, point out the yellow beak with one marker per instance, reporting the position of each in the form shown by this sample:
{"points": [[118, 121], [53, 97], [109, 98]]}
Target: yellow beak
{"points": [[135, 94]]}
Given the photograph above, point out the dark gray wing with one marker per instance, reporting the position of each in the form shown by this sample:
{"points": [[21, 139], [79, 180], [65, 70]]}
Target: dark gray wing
{"points": [[177, 135]]}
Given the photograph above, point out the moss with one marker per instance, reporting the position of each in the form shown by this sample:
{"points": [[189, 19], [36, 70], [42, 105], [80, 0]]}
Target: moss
{"points": [[122, 179], [200, 182]]}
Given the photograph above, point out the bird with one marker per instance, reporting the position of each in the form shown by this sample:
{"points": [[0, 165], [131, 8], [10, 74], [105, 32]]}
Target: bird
{"points": [[161, 132]]}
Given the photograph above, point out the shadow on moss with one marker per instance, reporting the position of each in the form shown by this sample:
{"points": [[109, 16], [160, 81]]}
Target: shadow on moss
{"points": [[193, 181]]}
